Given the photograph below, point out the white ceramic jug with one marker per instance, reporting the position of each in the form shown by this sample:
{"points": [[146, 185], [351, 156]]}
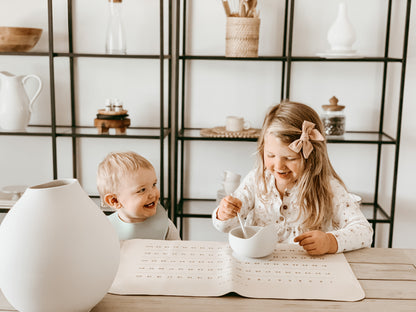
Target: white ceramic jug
{"points": [[15, 105]]}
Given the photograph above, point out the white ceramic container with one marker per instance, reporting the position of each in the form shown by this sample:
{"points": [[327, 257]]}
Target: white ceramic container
{"points": [[341, 34], [58, 251], [261, 241], [15, 105]]}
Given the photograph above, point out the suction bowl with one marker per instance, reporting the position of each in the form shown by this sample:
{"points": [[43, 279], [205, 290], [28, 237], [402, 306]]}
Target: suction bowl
{"points": [[261, 241]]}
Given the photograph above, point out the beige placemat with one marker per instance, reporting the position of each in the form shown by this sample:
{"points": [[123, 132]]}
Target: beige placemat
{"points": [[220, 132], [192, 268]]}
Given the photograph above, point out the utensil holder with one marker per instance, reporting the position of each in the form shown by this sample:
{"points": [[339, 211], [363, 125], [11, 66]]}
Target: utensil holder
{"points": [[242, 37]]}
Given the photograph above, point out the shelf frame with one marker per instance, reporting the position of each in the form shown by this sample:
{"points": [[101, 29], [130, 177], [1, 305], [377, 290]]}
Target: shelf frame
{"points": [[163, 133], [182, 135]]}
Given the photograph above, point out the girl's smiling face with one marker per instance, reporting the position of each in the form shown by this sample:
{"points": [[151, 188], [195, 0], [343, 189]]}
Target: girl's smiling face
{"points": [[285, 165], [138, 195]]}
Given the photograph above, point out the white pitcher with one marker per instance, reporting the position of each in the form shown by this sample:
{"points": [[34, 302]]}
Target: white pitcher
{"points": [[15, 105]]}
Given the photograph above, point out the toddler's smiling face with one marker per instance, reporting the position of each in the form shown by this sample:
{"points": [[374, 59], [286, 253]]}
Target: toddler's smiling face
{"points": [[285, 164], [138, 195]]}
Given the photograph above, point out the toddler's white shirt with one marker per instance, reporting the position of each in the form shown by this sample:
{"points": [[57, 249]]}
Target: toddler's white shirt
{"points": [[349, 226]]}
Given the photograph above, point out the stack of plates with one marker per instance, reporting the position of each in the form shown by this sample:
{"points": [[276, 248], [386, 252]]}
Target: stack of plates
{"points": [[5, 201], [339, 54], [10, 194]]}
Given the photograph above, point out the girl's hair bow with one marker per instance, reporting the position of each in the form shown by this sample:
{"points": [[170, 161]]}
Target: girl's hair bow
{"points": [[308, 133]]}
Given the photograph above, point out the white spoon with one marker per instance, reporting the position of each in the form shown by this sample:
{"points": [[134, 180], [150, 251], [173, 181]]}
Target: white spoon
{"points": [[229, 189], [242, 225]]}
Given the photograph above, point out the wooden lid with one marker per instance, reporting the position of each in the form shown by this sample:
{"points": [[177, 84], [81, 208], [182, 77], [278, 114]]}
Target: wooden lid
{"points": [[333, 105], [115, 1]]}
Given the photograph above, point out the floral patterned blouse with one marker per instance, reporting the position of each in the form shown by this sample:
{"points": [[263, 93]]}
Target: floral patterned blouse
{"points": [[349, 226]]}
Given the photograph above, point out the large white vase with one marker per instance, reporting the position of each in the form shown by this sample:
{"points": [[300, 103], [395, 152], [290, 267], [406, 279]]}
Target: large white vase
{"points": [[341, 34], [58, 251]]}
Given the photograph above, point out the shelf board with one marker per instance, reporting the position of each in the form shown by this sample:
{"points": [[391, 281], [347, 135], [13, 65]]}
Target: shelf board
{"points": [[131, 132], [224, 58], [26, 53], [30, 130], [352, 137], [91, 55], [345, 59], [202, 208], [291, 58], [103, 55]]}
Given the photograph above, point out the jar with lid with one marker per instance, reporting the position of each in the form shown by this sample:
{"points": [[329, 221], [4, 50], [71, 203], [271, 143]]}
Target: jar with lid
{"points": [[333, 117]]}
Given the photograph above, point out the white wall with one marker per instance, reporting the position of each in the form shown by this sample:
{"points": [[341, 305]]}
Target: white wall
{"points": [[217, 89]]}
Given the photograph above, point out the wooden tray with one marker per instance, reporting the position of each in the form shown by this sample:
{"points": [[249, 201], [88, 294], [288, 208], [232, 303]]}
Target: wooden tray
{"points": [[220, 132], [104, 112]]}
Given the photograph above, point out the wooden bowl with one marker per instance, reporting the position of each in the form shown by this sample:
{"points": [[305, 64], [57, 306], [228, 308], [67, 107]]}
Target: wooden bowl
{"points": [[18, 39]]}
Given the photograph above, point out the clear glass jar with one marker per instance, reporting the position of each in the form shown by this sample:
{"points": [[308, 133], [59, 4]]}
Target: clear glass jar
{"points": [[334, 122], [333, 117], [116, 37]]}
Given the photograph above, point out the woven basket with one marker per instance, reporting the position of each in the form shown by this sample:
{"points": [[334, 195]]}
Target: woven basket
{"points": [[242, 37]]}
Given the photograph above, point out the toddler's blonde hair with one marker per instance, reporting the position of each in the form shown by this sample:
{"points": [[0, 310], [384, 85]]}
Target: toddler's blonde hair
{"points": [[314, 194], [115, 166]]}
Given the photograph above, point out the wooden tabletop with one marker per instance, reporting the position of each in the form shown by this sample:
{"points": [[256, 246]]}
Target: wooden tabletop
{"points": [[388, 277]]}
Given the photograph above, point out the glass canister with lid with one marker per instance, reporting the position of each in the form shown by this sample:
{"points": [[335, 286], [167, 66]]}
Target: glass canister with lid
{"points": [[333, 117]]}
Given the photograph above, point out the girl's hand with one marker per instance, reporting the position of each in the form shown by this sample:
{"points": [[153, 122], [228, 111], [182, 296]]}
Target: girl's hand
{"points": [[229, 206], [317, 242]]}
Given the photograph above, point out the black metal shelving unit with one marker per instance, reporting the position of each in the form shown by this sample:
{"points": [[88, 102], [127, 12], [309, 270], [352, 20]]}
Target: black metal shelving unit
{"points": [[163, 133], [375, 213]]}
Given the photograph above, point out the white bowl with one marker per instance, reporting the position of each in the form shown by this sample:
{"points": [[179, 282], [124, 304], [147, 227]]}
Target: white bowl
{"points": [[261, 241]]}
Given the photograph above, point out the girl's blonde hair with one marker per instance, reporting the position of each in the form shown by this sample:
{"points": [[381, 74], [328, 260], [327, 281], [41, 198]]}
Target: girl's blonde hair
{"points": [[115, 166], [314, 194]]}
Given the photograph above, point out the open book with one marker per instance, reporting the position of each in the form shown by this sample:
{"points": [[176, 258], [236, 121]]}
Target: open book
{"points": [[193, 268]]}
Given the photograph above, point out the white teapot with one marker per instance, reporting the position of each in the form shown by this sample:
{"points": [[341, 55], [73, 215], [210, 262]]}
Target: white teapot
{"points": [[15, 105]]}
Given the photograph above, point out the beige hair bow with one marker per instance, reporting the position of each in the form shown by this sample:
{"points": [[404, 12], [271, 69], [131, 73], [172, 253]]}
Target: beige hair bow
{"points": [[308, 133]]}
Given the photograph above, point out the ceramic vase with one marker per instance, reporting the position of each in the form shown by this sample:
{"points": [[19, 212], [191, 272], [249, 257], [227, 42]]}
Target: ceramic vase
{"points": [[341, 35], [58, 251]]}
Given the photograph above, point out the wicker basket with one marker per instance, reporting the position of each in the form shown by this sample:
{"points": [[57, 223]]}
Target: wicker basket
{"points": [[242, 37]]}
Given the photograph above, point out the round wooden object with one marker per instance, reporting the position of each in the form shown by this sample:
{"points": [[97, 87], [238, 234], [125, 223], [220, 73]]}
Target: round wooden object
{"points": [[220, 132], [18, 39], [112, 113]]}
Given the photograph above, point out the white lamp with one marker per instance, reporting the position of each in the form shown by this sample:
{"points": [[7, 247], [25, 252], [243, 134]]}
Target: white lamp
{"points": [[58, 251]]}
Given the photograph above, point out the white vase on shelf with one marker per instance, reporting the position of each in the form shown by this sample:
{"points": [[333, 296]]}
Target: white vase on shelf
{"points": [[58, 251], [341, 35]]}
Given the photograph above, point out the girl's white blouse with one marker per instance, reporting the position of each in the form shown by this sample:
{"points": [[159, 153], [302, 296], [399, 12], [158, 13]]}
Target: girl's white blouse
{"points": [[349, 226]]}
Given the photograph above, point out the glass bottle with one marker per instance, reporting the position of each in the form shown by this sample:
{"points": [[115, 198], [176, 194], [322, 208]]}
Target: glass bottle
{"points": [[333, 117], [116, 37]]}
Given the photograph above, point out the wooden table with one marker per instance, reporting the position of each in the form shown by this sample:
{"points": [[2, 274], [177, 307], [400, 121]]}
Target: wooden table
{"points": [[388, 277]]}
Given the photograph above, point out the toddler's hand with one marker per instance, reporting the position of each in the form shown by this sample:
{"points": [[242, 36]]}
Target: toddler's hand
{"points": [[229, 206], [317, 242]]}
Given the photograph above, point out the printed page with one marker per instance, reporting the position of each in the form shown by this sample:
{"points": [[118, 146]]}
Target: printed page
{"points": [[290, 273], [192, 268], [184, 268]]}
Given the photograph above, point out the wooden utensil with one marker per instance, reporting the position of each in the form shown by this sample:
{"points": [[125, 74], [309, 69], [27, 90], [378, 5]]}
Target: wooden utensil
{"points": [[243, 8]]}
